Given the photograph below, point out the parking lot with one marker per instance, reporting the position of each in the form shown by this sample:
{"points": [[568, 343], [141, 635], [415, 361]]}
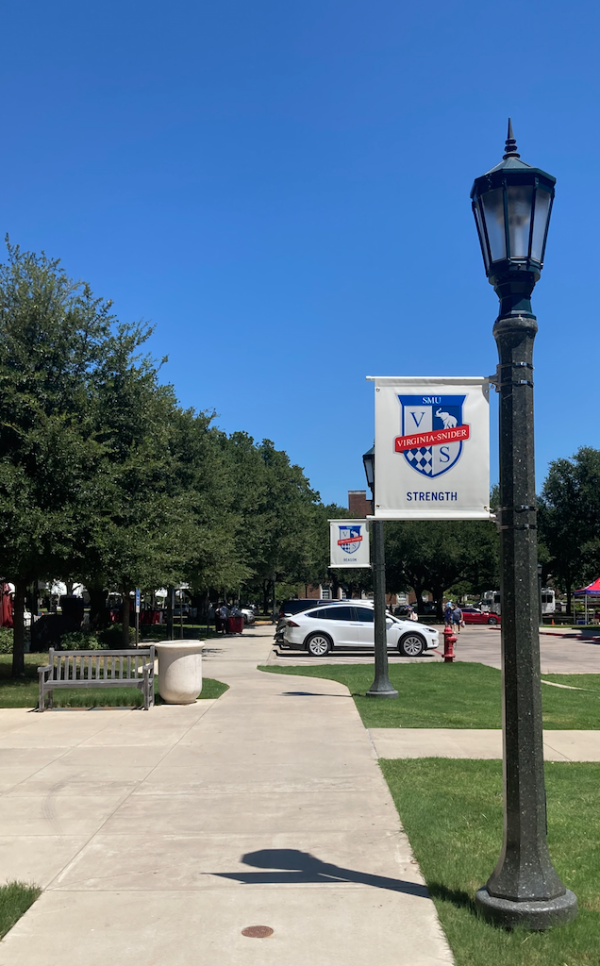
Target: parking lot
{"points": [[558, 654]]}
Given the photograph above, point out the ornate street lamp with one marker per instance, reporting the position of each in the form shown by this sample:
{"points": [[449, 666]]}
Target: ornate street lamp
{"points": [[512, 205], [369, 465], [381, 687]]}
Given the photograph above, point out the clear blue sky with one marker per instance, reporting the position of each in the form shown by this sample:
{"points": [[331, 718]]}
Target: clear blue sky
{"points": [[283, 189]]}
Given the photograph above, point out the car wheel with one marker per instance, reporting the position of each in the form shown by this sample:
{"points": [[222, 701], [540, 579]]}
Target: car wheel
{"points": [[492, 620], [411, 645], [318, 645]]}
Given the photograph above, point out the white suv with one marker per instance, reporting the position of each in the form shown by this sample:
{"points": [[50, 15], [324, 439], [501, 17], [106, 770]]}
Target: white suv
{"points": [[321, 629]]}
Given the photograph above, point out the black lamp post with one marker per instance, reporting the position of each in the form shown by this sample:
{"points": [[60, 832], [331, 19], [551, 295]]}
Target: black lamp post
{"points": [[381, 687], [512, 205]]}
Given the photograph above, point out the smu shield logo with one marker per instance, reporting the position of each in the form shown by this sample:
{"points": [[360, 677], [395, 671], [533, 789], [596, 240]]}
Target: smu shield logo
{"points": [[432, 432], [350, 538]]}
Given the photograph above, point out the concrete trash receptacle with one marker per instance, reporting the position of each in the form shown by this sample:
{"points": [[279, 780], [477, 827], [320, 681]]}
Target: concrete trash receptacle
{"points": [[179, 671]]}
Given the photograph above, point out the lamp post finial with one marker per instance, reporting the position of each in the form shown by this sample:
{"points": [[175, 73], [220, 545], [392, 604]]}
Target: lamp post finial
{"points": [[511, 145]]}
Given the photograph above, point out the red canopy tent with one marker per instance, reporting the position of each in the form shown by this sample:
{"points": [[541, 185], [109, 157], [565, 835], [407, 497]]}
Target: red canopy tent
{"points": [[592, 590]]}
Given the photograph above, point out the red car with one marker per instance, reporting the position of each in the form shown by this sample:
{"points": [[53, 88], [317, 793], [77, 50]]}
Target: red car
{"points": [[473, 615]]}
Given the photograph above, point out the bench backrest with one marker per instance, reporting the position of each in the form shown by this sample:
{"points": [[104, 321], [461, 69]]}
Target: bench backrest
{"points": [[126, 665]]}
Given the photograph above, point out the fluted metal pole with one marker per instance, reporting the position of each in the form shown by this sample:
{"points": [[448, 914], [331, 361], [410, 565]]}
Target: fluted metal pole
{"points": [[524, 888], [381, 687]]}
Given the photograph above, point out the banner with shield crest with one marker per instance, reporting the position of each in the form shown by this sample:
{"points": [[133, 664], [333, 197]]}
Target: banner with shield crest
{"points": [[432, 449], [349, 543]]}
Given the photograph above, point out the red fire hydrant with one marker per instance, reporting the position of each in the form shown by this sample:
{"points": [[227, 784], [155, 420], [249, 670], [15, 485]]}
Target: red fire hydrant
{"points": [[449, 642]]}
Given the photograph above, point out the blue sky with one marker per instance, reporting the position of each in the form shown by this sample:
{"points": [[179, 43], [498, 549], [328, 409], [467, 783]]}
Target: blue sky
{"points": [[283, 189]]}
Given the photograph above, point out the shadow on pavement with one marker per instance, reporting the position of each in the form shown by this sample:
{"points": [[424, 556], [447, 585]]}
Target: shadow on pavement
{"points": [[312, 694], [301, 867]]}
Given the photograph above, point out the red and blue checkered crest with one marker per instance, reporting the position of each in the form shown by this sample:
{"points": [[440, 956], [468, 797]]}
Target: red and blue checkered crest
{"points": [[432, 432], [350, 538]]}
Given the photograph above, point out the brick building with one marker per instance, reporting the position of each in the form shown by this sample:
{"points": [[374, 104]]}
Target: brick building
{"points": [[358, 505]]}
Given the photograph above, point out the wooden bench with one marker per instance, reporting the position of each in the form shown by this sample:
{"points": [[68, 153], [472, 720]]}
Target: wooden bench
{"points": [[132, 668]]}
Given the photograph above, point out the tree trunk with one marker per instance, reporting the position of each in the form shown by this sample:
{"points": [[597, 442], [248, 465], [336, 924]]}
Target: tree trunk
{"points": [[125, 617], [438, 593], [569, 599], [266, 585], [98, 610], [18, 662], [418, 588]]}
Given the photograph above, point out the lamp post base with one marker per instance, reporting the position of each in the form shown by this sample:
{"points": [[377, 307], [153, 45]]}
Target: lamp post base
{"points": [[382, 692], [536, 915]]}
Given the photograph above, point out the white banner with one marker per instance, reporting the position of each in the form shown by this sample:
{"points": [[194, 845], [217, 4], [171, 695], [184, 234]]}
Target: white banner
{"points": [[432, 448], [349, 543]]}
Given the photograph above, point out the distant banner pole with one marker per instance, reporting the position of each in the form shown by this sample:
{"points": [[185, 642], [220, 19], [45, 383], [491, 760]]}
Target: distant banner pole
{"points": [[137, 615]]}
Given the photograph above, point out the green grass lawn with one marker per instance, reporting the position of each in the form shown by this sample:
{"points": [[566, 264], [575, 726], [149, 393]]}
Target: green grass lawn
{"points": [[452, 813], [24, 693], [15, 899], [458, 695]]}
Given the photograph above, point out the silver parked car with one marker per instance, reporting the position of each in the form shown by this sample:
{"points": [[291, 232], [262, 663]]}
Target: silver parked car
{"points": [[323, 629]]}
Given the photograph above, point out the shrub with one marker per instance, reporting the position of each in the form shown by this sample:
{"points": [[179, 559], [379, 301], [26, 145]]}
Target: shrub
{"points": [[80, 641], [112, 636], [6, 640]]}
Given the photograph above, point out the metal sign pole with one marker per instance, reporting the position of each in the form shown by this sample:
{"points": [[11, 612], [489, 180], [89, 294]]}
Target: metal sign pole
{"points": [[137, 616]]}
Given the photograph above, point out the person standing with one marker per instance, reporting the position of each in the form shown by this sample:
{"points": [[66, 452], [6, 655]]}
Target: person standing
{"points": [[457, 619], [448, 613], [221, 617]]}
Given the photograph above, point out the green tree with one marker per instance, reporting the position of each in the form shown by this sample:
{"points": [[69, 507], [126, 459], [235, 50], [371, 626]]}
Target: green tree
{"points": [[216, 544], [139, 529], [277, 536], [569, 520], [52, 333], [434, 555]]}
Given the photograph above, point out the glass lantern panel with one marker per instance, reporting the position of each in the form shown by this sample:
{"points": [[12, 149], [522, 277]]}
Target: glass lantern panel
{"points": [[493, 211], [540, 221], [481, 232], [520, 201]]}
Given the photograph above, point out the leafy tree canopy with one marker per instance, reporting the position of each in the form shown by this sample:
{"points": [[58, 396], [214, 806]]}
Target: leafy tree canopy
{"points": [[569, 520]]}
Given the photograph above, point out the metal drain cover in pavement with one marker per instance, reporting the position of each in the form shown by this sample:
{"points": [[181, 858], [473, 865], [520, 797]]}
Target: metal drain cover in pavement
{"points": [[257, 932]]}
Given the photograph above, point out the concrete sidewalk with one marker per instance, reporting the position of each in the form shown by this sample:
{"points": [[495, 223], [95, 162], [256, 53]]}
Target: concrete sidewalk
{"points": [[478, 743], [159, 836]]}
